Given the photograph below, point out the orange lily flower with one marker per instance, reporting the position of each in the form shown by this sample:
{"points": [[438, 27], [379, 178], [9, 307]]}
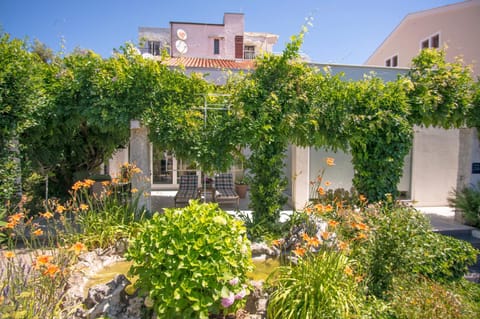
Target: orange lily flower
{"points": [[51, 270], [47, 215], [299, 251], [78, 247], [330, 161], [9, 254], [60, 209], [38, 232], [333, 223]]}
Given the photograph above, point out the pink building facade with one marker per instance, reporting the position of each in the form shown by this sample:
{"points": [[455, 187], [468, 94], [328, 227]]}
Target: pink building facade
{"points": [[227, 41]]}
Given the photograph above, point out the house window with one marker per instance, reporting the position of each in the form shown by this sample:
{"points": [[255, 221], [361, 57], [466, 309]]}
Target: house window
{"points": [[393, 61], [153, 47], [249, 52], [425, 44], [435, 41], [216, 46], [239, 47], [431, 42]]}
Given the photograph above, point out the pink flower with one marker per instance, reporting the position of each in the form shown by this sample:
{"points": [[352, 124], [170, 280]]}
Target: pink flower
{"points": [[227, 302], [241, 294], [233, 281]]}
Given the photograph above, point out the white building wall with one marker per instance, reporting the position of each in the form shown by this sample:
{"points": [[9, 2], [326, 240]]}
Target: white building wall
{"points": [[435, 165]]}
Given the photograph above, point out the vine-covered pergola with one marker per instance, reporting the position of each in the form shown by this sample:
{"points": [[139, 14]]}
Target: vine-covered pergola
{"points": [[87, 103]]}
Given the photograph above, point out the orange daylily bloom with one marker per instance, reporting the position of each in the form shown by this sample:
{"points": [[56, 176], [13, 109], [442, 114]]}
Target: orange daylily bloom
{"points": [[16, 217], [328, 208], [42, 260], [9, 254], [327, 183], [333, 223], [359, 278], [319, 208], [38, 232], [361, 236], [305, 236], [88, 183], [134, 190], [330, 161], [106, 183], [308, 210], [325, 235], [362, 198], [51, 270], [277, 242], [47, 215], [10, 225], [313, 241], [299, 251], [60, 209], [321, 191], [360, 226], [342, 245], [78, 247], [77, 185], [83, 207], [348, 270]]}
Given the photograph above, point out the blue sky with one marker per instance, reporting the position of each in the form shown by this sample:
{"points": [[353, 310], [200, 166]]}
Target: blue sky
{"points": [[343, 31]]}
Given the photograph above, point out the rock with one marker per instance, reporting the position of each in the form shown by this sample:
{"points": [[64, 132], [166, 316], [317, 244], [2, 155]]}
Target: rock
{"points": [[256, 303], [108, 299], [262, 249]]}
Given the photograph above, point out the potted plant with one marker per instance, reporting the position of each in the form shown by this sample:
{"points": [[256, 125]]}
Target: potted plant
{"points": [[241, 187]]}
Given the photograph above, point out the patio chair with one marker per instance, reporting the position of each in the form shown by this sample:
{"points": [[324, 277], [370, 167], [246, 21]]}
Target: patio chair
{"points": [[225, 189], [187, 190]]}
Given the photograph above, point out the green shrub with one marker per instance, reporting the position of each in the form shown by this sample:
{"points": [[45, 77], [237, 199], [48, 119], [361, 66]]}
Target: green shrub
{"points": [[320, 286], [192, 262], [469, 296], [403, 243], [443, 258], [467, 200], [422, 298], [391, 252]]}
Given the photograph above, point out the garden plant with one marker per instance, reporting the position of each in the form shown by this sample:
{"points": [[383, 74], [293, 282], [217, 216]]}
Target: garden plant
{"points": [[192, 262]]}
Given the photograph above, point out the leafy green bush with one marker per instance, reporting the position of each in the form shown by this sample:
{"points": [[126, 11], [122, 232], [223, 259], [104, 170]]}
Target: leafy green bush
{"points": [[469, 296], [443, 258], [320, 286], [192, 262], [422, 298], [402, 242], [390, 251], [467, 200]]}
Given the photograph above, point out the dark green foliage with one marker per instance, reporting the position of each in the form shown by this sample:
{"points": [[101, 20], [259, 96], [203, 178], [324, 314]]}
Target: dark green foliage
{"points": [[21, 98], [381, 136]]}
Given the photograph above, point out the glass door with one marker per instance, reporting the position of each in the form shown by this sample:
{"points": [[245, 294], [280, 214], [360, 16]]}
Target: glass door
{"points": [[166, 169]]}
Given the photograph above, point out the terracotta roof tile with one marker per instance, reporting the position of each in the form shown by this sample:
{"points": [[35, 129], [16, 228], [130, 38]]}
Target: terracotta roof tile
{"points": [[191, 62]]}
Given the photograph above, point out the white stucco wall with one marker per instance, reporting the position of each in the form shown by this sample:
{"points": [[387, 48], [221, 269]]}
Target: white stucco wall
{"points": [[434, 165]]}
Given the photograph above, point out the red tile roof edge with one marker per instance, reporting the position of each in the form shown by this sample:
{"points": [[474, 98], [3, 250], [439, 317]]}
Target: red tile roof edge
{"points": [[192, 62]]}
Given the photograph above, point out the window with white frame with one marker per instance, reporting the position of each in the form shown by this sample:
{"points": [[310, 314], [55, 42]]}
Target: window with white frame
{"points": [[392, 62], [249, 52], [431, 42], [216, 46]]}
